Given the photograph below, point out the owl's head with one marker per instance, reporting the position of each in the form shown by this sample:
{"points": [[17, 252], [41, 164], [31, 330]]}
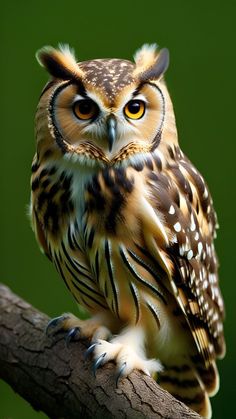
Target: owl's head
{"points": [[104, 110]]}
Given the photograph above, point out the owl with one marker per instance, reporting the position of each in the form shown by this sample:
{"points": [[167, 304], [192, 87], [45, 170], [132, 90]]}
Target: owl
{"points": [[128, 221]]}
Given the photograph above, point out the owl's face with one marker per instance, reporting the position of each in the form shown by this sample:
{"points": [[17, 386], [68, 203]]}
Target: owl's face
{"points": [[104, 109]]}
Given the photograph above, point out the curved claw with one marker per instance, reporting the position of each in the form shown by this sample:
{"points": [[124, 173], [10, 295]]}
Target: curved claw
{"points": [[120, 372], [98, 362], [71, 334], [90, 350], [53, 323]]}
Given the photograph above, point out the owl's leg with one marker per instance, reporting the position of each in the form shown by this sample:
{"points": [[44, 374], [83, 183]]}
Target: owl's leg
{"points": [[127, 350], [94, 328]]}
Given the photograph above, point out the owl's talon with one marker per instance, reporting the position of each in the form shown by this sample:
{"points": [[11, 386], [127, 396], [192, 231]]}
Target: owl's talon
{"points": [[53, 323], [71, 335], [98, 362], [120, 373], [90, 349], [126, 355]]}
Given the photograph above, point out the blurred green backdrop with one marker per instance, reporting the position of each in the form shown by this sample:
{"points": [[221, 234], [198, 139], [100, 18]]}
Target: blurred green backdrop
{"points": [[201, 79]]}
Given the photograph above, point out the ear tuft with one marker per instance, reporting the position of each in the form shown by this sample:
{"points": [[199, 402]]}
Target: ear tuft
{"points": [[68, 52], [146, 56], [60, 63], [151, 64]]}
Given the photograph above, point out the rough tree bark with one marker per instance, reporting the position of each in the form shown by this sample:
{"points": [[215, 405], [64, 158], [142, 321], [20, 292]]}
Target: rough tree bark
{"points": [[58, 381]]}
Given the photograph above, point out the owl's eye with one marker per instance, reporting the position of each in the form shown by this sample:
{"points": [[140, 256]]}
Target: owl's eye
{"points": [[85, 109], [134, 109]]}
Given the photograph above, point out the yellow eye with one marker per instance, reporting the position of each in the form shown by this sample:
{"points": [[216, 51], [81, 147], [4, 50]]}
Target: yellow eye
{"points": [[85, 109], [134, 109]]}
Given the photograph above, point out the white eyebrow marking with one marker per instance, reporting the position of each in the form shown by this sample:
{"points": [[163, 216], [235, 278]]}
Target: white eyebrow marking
{"points": [[77, 97], [140, 97]]}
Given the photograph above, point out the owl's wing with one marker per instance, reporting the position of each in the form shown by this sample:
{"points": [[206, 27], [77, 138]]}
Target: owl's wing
{"points": [[39, 233], [182, 201]]}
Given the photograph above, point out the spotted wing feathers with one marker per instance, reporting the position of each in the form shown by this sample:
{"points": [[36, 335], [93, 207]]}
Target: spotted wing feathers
{"points": [[180, 194]]}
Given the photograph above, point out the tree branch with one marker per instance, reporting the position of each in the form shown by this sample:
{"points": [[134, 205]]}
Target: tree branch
{"points": [[58, 381]]}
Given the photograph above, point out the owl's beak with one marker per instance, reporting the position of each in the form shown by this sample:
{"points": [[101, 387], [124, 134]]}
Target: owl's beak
{"points": [[111, 131]]}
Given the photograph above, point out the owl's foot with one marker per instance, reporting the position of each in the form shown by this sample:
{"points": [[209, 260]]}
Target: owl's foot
{"points": [[76, 328], [127, 351]]}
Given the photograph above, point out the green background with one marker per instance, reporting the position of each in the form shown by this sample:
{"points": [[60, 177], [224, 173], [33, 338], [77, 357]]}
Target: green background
{"points": [[201, 39]]}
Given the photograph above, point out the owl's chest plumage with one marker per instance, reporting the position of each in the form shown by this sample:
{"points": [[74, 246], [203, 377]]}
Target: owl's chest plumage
{"points": [[94, 224]]}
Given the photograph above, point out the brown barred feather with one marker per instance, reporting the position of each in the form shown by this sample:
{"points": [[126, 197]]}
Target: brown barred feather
{"points": [[184, 384]]}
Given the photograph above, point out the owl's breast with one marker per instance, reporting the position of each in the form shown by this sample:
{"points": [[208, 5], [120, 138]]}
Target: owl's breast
{"points": [[105, 201], [111, 203]]}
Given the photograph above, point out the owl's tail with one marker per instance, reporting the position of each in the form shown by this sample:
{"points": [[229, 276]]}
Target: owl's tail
{"points": [[189, 386]]}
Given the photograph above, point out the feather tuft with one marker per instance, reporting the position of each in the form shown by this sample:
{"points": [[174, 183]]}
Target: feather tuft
{"points": [[68, 52], [151, 64], [146, 56], [60, 63]]}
